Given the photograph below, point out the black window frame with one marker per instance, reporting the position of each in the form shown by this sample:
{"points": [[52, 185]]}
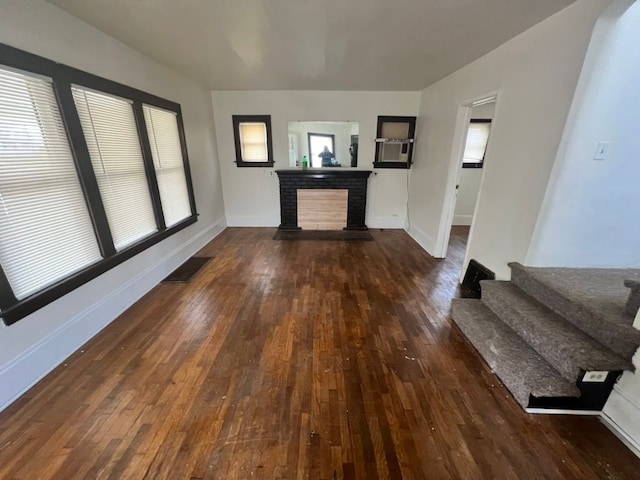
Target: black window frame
{"points": [[237, 120], [479, 164], [63, 77], [408, 145]]}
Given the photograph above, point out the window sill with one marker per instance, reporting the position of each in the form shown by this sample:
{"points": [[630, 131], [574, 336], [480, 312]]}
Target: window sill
{"points": [[255, 164]]}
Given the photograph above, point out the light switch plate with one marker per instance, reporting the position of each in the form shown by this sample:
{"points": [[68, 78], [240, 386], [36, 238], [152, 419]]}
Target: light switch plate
{"points": [[602, 151]]}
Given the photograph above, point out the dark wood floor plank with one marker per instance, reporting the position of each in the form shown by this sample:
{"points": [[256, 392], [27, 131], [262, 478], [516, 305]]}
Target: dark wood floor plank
{"points": [[295, 360]]}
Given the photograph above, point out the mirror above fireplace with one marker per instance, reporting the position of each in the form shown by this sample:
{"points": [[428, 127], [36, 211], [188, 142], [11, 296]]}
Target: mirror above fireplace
{"points": [[310, 139]]}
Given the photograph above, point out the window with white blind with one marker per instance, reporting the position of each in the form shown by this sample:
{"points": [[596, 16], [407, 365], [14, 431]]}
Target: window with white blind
{"points": [[253, 142], [87, 166], [476, 145], [46, 232], [110, 129], [166, 150], [252, 134]]}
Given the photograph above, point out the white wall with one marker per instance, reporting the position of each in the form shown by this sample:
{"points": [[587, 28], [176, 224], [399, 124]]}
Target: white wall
{"points": [[592, 207], [535, 75], [467, 195], [469, 180], [36, 344], [251, 194]]}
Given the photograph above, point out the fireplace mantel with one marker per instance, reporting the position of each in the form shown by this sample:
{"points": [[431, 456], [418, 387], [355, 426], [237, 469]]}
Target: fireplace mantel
{"points": [[293, 179]]}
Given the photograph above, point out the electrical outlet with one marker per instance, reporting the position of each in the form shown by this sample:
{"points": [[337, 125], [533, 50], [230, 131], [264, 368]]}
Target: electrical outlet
{"points": [[595, 376]]}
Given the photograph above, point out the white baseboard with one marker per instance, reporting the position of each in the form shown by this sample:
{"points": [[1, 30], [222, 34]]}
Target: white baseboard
{"points": [[462, 219], [386, 222], [376, 222], [631, 443], [28, 368], [425, 241], [563, 411], [621, 415], [235, 221]]}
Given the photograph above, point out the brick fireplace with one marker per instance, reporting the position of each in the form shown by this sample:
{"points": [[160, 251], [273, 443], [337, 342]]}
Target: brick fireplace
{"points": [[355, 181]]}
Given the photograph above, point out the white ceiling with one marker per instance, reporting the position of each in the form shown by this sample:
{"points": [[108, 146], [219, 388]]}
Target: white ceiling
{"points": [[313, 44]]}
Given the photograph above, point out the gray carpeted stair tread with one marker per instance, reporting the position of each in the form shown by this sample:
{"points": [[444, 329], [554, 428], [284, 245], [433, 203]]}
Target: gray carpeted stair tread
{"points": [[518, 366], [593, 299], [567, 348]]}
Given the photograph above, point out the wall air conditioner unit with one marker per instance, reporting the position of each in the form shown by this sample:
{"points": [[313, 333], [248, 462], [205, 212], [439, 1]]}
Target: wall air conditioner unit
{"points": [[394, 142], [394, 149]]}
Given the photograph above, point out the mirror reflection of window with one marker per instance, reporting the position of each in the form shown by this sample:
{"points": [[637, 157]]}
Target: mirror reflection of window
{"points": [[310, 138], [321, 149]]}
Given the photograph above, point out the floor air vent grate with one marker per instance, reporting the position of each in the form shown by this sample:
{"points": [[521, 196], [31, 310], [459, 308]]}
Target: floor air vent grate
{"points": [[185, 272], [470, 287]]}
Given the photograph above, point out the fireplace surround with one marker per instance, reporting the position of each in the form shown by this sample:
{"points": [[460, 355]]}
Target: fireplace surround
{"points": [[355, 181]]}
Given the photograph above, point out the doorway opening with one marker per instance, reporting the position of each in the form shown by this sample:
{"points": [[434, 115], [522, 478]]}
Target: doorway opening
{"points": [[475, 126]]}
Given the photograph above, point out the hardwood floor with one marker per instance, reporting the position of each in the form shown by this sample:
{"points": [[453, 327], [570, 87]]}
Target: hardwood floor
{"points": [[295, 360]]}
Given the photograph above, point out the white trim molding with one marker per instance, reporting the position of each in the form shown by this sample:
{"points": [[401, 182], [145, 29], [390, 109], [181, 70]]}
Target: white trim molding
{"points": [[253, 221], [425, 241], [462, 220], [562, 411], [621, 413], [622, 417], [394, 222]]}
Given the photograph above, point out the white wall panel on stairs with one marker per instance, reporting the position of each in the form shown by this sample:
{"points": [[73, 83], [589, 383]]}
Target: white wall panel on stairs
{"points": [[622, 415], [622, 411], [590, 211]]}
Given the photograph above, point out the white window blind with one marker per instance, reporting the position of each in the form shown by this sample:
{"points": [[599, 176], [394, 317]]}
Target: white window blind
{"points": [[162, 128], [46, 232], [253, 142], [477, 138], [110, 129]]}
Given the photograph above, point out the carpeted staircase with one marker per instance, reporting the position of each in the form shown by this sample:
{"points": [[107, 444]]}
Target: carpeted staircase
{"points": [[558, 338]]}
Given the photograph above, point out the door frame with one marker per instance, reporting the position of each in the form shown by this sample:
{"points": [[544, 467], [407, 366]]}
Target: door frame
{"points": [[463, 118]]}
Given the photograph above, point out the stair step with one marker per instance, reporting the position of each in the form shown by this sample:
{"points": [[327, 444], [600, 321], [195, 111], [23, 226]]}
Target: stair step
{"points": [[591, 299], [567, 348], [523, 371]]}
